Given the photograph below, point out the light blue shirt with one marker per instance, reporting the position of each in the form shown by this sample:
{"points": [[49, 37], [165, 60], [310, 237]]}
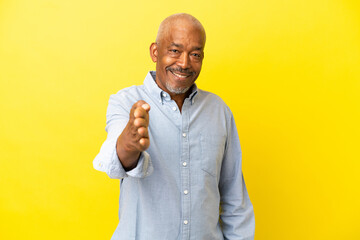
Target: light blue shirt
{"points": [[190, 171]]}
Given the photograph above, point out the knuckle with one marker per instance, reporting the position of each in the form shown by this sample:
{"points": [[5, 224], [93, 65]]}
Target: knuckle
{"points": [[141, 131], [139, 103], [139, 112], [137, 122]]}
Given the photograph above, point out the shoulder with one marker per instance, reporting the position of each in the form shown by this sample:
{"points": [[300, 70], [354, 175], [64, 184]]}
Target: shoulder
{"points": [[127, 96], [212, 100], [129, 91]]}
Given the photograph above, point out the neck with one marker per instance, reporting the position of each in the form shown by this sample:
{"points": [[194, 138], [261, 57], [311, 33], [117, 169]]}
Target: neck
{"points": [[179, 98]]}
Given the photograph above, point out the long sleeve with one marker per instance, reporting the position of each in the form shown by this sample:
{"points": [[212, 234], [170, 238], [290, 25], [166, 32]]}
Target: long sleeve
{"points": [[107, 160], [237, 214]]}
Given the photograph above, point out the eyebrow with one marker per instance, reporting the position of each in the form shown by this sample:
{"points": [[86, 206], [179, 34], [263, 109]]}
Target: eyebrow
{"points": [[182, 46], [176, 45]]}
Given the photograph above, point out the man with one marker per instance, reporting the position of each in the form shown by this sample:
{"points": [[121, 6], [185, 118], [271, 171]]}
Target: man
{"points": [[176, 149]]}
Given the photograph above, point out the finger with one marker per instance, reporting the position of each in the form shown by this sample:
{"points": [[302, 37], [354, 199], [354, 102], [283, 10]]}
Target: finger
{"points": [[140, 113], [144, 143], [143, 132], [146, 107], [141, 103], [140, 122], [136, 105]]}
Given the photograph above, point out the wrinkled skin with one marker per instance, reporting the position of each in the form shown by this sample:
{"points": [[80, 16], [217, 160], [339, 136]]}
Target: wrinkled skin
{"points": [[178, 56]]}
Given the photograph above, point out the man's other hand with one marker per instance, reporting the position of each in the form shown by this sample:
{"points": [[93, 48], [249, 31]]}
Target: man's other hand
{"points": [[135, 137]]}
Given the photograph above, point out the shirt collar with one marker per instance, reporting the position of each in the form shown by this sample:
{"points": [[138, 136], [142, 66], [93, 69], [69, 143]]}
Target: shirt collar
{"points": [[161, 95]]}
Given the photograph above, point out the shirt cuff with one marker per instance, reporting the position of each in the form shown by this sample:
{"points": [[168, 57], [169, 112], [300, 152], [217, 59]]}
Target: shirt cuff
{"points": [[144, 167], [108, 161]]}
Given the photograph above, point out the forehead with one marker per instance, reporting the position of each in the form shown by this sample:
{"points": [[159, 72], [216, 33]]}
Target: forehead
{"points": [[187, 35]]}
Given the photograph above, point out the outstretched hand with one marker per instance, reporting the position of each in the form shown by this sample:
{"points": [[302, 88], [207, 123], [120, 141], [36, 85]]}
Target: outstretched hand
{"points": [[135, 137]]}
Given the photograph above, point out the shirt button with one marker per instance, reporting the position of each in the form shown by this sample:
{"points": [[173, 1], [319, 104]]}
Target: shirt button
{"points": [[174, 108], [184, 134], [186, 222], [186, 192], [184, 164], [164, 94]]}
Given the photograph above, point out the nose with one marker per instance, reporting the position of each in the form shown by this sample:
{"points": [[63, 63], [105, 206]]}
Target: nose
{"points": [[184, 61]]}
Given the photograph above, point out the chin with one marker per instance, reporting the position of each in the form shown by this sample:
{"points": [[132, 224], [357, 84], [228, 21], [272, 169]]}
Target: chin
{"points": [[177, 90]]}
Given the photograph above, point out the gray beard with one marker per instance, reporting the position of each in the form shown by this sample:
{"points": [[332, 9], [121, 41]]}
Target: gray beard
{"points": [[176, 90]]}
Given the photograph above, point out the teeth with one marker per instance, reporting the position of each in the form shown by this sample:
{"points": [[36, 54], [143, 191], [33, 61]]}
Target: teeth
{"points": [[180, 76]]}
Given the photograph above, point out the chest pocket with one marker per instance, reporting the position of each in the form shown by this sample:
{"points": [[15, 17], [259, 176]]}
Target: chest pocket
{"points": [[212, 152]]}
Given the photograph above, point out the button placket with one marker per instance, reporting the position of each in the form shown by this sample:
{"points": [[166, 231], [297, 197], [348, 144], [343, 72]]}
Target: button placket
{"points": [[185, 170]]}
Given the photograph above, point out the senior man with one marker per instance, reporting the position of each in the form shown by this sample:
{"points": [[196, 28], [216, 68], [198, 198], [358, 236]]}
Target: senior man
{"points": [[176, 149]]}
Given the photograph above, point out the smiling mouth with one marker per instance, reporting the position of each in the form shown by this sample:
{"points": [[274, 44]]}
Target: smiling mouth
{"points": [[180, 76]]}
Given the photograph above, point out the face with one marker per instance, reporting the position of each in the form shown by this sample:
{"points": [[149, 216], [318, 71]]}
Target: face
{"points": [[178, 58]]}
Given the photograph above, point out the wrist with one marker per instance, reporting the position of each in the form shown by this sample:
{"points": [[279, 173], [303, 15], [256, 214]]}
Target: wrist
{"points": [[127, 155]]}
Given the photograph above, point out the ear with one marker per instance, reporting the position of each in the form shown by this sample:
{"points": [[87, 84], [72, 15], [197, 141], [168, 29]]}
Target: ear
{"points": [[154, 52]]}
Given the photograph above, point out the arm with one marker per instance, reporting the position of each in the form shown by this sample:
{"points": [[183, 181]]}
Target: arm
{"points": [[120, 126], [237, 214]]}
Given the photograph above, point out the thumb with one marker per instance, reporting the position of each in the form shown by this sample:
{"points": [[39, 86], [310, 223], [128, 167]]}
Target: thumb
{"points": [[146, 106], [143, 104]]}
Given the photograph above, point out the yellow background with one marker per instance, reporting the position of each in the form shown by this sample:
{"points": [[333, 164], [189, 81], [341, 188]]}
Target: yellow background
{"points": [[289, 70]]}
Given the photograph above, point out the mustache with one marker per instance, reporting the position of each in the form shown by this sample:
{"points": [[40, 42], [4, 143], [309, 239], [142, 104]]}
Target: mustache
{"points": [[186, 71]]}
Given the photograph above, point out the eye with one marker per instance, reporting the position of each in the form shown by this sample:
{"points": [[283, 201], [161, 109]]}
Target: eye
{"points": [[196, 55], [174, 50]]}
